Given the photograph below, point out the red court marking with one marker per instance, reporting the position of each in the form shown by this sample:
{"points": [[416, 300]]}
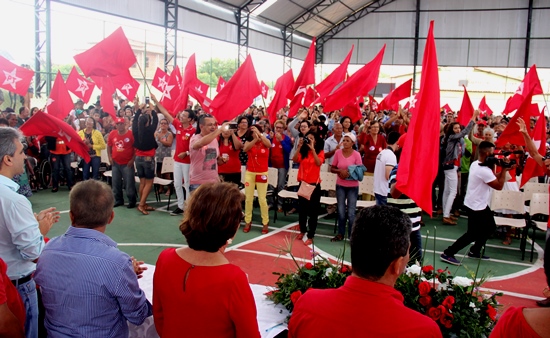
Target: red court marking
{"points": [[529, 284]]}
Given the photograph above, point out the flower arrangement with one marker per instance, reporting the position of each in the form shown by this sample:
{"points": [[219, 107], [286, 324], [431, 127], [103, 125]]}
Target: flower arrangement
{"points": [[321, 274], [455, 303]]}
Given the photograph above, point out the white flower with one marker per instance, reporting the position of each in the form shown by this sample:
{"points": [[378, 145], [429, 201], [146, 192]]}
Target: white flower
{"points": [[413, 270], [443, 286], [462, 281], [328, 272], [472, 305]]}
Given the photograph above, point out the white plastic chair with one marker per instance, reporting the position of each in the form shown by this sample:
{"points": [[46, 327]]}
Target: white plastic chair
{"points": [[513, 201], [539, 206], [167, 167]]}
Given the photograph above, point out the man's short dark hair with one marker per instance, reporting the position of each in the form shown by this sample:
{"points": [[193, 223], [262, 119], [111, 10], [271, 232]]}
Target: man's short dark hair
{"points": [[393, 137], [191, 114], [380, 235], [485, 146], [95, 214]]}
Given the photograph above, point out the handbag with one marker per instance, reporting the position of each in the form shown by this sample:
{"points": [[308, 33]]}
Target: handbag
{"points": [[306, 190]]}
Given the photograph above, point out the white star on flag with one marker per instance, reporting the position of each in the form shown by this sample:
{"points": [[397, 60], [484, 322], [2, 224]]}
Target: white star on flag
{"points": [[520, 89], [413, 102], [301, 89], [222, 85], [166, 92], [162, 83], [50, 101], [263, 91], [199, 89], [11, 78], [82, 87], [127, 88]]}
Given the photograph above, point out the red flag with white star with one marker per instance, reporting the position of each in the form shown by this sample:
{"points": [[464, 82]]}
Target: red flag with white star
{"points": [[126, 84], [530, 83], [171, 93], [79, 86], [221, 84], [484, 108], [305, 78], [532, 169], [59, 103], [160, 80], [14, 78], [42, 124]]}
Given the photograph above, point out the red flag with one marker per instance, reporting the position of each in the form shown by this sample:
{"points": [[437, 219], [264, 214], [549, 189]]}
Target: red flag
{"points": [[171, 93], [79, 86], [109, 57], [419, 159], [307, 73], [160, 80], [310, 96], [484, 108], [334, 79], [282, 86], [221, 84], [532, 169], [530, 82], [176, 72], [305, 78], [353, 111], [238, 93], [198, 90], [446, 108], [359, 84], [42, 124], [59, 103], [466, 109], [511, 132], [391, 101], [106, 99], [373, 105], [192, 86], [127, 85], [14, 78], [265, 89]]}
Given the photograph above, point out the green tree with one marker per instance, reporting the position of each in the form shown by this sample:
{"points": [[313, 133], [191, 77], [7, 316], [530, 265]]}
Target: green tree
{"points": [[210, 71]]}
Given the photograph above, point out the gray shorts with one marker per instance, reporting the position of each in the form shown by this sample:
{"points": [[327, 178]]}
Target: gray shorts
{"points": [[145, 166]]}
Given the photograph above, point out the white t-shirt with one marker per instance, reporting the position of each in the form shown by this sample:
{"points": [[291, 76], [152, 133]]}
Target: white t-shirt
{"points": [[478, 192], [385, 158]]}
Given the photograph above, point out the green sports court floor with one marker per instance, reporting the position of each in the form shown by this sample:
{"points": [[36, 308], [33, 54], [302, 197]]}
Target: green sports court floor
{"points": [[144, 237]]}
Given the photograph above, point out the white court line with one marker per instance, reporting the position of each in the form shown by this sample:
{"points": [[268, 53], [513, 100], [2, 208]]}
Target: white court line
{"points": [[491, 260], [514, 294]]}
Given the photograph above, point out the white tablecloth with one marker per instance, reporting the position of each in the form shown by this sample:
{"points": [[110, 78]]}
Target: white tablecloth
{"points": [[271, 317]]}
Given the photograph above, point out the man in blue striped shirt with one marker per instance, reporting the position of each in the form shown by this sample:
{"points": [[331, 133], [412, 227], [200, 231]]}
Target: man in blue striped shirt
{"points": [[89, 287]]}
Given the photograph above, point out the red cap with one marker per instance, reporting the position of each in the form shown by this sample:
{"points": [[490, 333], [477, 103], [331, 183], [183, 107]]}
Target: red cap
{"points": [[120, 120]]}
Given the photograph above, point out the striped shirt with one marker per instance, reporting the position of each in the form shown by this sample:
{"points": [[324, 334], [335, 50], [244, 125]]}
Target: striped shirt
{"points": [[89, 287], [404, 203]]}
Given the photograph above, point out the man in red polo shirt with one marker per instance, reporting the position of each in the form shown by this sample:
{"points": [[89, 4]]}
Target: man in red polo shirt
{"points": [[12, 310], [120, 148], [367, 304], [184, 130], [543, 161]]}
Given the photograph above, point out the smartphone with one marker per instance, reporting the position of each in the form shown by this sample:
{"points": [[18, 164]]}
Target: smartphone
{"points": [[233, 125], [147, 100]]}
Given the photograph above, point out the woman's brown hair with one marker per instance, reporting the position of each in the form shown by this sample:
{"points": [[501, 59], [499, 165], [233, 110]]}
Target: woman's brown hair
{"points": [[212, 216]]}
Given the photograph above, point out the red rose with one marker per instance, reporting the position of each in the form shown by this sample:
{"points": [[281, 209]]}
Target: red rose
{"points": [[424, 288], [447, 320], [427, 268], [448, 302], [308, 266], [491, 312], [295, 296], [435, 312], [440, 270], [344, 269], [425, 301]]}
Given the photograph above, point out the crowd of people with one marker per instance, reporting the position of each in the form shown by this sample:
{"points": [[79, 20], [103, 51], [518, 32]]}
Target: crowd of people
{"points": [[198, 282]]}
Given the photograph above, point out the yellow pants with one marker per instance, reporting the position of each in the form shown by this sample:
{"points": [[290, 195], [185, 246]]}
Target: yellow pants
{"points": [[249, 185]]}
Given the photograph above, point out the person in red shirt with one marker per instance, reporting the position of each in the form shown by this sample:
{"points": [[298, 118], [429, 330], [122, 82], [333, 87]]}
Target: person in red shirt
{"points": [[257, 146], [368, 300], [196, 291], [371, 145], [12, 310], [120, 149], [184, 130], [229, 165], [310, 156]]}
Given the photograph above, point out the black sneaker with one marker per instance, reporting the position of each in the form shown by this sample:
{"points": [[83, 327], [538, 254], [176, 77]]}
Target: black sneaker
{"points": [[176, 212], [478, 256], [131, 206], [118, 204], [449, 259]]}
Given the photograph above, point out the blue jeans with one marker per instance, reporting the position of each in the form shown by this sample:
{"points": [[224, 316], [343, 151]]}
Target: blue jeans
{"points": [[193, 187], [27, 291], [94, 163], [346, 196], [381, 200], [61, 163], [124, 173]]}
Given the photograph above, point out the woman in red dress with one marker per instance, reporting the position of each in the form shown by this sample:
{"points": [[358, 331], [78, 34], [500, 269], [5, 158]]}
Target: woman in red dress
{"points": [[196, 291], [370, 144]]}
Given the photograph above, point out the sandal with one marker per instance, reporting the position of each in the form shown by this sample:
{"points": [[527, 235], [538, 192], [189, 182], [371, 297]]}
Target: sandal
{"points": [[149, 208], [300, 236], [337, 238], [142, 209], [265, 229], [247, 227], [448, 221], [309, 241], [507, 241]]}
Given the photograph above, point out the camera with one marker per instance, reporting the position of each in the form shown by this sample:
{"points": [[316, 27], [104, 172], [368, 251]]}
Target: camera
{"points": [[232, 126], [490, 161], [306, 140]]}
